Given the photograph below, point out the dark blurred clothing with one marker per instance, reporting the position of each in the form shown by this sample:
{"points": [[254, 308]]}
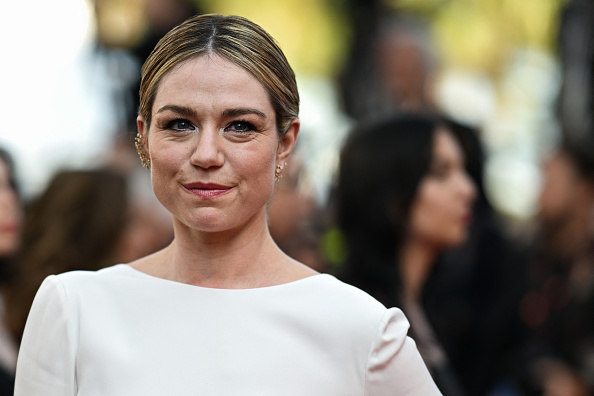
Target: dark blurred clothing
{"points": [[6, 383], [556, 313]]}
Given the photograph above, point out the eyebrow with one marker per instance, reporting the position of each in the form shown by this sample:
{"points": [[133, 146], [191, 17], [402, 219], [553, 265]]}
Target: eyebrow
{"points": [[183, 110], [187, 111], [242, 111]]}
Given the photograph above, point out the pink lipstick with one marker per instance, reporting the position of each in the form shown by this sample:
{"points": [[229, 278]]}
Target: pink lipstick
{"points": [[207, 190]]}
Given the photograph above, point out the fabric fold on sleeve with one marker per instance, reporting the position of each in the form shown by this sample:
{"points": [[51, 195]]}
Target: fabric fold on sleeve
{"points": [[47, 356], [395, 366]]}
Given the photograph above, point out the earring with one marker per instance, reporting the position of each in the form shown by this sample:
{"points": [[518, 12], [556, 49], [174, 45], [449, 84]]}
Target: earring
{"points": [[279, 170], [144, 158]]}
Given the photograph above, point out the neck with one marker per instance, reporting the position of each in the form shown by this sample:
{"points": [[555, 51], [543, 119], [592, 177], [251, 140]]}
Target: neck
{"points": [[415, 264], [234, 259]]}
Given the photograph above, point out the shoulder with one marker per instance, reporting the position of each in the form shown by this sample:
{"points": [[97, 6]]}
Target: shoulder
{"points": [[85, 282], [336, 290], [340, 305], [112, 272], [349, 293]]}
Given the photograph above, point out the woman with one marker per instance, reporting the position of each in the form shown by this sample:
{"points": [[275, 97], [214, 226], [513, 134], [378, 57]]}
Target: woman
{"points": [[10, 239], [222, 310], [403, 197]]}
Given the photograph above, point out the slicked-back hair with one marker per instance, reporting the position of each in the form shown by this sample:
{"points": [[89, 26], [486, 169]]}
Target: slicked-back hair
{"points": [[238, 40]]}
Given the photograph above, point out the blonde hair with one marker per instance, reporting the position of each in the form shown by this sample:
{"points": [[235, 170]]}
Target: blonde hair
{"points": [[237, 39]]}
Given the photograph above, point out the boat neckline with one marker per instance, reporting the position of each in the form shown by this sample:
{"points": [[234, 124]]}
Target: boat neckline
{"points": [[296, 282]]}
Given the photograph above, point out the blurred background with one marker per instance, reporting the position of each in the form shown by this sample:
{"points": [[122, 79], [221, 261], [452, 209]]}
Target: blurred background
{"points": [[70, 67]]}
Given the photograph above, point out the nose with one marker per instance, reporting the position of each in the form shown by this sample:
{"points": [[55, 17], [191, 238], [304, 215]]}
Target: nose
{"points": [[207, 150]]}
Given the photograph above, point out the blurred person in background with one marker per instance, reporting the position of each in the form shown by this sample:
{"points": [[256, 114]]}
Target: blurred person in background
{"points": [[469, 309], [391, 68], [77, 223], [403, 197], [10, 239], [557, 308]]}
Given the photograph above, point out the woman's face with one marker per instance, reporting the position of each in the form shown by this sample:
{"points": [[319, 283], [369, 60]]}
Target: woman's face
{"points": [[441, 211], [561, 183], [213, 145], [10, 214]]}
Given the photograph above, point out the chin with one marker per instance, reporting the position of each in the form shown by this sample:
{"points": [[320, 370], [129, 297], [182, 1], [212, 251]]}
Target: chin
{"points": [[204, 220], [454, 240], [458, 240]]}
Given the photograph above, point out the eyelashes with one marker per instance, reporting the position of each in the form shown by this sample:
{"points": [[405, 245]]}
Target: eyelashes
{"points": [[179, 125], [238, 126]]}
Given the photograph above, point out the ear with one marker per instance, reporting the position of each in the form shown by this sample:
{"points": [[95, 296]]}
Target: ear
{"points": [[141, 143], [142, 131], [287, 142]]}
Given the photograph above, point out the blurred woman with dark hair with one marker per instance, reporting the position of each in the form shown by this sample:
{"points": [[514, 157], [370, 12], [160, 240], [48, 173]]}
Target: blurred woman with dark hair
{"points": [[77, 223], [403, 197], [10, 236]]}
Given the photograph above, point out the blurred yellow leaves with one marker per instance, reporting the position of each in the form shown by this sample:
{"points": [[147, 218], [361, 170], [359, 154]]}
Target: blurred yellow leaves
{"points": [[119, 23], [315, 35], [482, 34]]}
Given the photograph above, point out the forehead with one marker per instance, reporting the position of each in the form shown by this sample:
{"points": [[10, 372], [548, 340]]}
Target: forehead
{"points": [[445, 145], [214, 80]]}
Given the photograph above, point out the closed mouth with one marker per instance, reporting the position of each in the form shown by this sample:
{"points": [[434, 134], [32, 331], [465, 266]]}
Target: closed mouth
{"points": [[207, 190]]}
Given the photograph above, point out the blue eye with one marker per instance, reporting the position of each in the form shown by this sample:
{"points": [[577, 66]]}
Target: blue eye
{"points": [[180, 125], [240, 126]]}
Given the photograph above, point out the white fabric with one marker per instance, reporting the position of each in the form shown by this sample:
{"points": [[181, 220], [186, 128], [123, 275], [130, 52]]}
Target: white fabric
{"points": [[120, 331]]}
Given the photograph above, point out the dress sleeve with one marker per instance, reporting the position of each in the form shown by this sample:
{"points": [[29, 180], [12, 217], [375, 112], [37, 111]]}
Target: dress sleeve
{"points": [[395, 366], [46, 361]]}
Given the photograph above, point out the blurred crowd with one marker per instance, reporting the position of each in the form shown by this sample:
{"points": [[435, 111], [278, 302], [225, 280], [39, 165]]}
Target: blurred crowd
{"points": [[407, 218]]}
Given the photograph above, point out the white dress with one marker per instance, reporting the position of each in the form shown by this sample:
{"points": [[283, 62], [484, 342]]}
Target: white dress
{"points": [[121, 332]]}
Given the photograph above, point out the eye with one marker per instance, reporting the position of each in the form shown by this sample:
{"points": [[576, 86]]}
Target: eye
{"points": [[240, 126], [439, 172], [180, 125]]}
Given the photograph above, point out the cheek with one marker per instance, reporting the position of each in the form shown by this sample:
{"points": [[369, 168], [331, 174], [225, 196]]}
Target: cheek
{"points": [[166, 161], [255, 170], [431, 216], [431, 200], [10, 211], [425, 221]]}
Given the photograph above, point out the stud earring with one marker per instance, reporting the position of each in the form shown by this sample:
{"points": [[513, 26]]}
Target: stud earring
{"points": [[144, 158], [279, 170]]}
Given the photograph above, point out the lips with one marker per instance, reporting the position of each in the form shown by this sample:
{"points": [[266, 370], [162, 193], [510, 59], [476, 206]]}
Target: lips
{"points": [[207, 190], [466, 218], [10, 228]]}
